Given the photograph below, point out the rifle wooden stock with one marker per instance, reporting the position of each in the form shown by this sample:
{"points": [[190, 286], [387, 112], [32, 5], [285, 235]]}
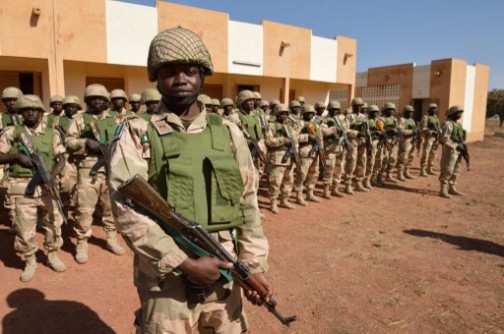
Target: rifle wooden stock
{"points": [[318, 145], [141, 193]]}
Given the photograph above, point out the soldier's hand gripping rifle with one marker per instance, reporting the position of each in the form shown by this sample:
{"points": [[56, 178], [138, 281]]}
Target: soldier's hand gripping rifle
{"points": [[42, 176], [383, 133], [102, 146], [464, 152], [255, 150], [140, 192], [292, 151], [343, 135], [317, 147]]}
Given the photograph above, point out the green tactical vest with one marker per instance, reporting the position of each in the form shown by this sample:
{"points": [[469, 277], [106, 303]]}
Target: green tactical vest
{"points": [[433, 123], [198, 174], [42, 144], [106, 127], [409, 124], [280, 133], [305, 130], [64, 123], [251, 124], [458, 132], [332, 123], [50, 120], [389, 122], [7, 120], [373, 128], [357, 124]]}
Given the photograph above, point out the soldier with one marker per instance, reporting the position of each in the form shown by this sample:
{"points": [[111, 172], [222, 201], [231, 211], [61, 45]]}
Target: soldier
{"points": [[56, 105], [334, 128], [264, 105], [228, 111], [301, 101], [87, 134], [215, 106], [431, 131], [47, 143], [119, 98], [308, 171], [295, 116], [188, 138], [281, 140], [151, 98], [355, 164], [389, 150], [452, 139], [135, 101], [376, 136], [68, 179], [320, 108], [205, 101], [407, 138]]}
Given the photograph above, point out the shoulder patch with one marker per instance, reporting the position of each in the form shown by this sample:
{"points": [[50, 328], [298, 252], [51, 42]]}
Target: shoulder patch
{"points": [[162, 127], [118, 131]]}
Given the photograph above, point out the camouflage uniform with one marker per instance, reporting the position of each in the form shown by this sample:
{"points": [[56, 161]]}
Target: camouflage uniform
{"points": [[408, 131], [279, 138], [452, 137], [355, 161], [375, 140], [91, 189], [431, 131], [48, 144], [386, 158]]}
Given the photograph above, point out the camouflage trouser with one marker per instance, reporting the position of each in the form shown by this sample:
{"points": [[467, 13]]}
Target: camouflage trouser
{"points": [[26, 210], [90, 190], [429, 150], [68, 183], [378, 159], [389, 158], [450, 165], [350, 162], [335, 163], [307, 173], [371, 159], [405, 156], [168, 311], [280, 181], [360, 167]]}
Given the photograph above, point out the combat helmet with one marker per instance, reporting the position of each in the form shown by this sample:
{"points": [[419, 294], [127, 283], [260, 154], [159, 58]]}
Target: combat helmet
{"points": [[135, 98], [263, 103], [151, 94], [216, 102], [301, 99], [454, 109], [56, 98], [307, 108], [11, 93], [273, 103], [294, 104], [433, 105], [357, 101], [320, 105], [408, 108], [177, 46], [243, 96], [333, 104], [30, 101], [96, 90], [226, 102], [389, 105], [281, 107], [118, 93], [257, 95], [72, 99], [374, 108]]}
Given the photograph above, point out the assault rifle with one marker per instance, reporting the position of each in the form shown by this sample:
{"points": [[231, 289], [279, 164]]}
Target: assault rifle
{"points": [[42, 176], [292, 151], [103, 146], [317, 148], [367, 135], [464, 152], [383, 133], [140, 192], [254, 147], [418, 139], [343, 135]]}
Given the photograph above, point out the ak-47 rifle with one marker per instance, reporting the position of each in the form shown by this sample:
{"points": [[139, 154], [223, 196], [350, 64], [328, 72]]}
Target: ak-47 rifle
{"points": [[367, 135], [343, 135], [103, 146], [318, 148], [292, 151], [383, 133], [140, 192], [254, 147], [42, 176], [418, 139], [464, 152]]}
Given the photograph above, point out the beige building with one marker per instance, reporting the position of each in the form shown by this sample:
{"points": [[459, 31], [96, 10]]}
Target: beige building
{"points": [[446, 82], [52, 47]]}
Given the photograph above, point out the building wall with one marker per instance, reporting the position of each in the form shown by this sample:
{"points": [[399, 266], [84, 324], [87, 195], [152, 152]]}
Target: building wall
{"points": [[469, 98], [480, 100], [323, 53], [130, 29], [347, 61], [245, 45], [421, 79]]}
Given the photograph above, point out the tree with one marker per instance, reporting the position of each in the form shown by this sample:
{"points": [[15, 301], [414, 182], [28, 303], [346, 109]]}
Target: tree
{"points": [[495, 104]]}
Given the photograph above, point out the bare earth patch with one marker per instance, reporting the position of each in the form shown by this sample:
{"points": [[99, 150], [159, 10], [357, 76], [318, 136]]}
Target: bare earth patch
{"points": [[395, 260]]}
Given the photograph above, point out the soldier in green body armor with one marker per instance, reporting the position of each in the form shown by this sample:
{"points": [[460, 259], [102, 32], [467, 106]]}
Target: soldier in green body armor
{"points": [[431, 132]]}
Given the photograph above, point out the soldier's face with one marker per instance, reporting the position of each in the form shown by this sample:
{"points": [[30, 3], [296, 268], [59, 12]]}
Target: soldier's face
{"points": [[96, 103], [228, 110], [57, 107], [333, 112], [308, 116], [295, 110], [320, 111], [433, 111], [10, 104], [388, 112], [31, 116], [282, 117], [265, 109], [135, 106], [248, 105], [372, 114], [118, 103], [71, 110], [152, 106], [458, 115], [215, 109], [180, 84], [356, 109]]}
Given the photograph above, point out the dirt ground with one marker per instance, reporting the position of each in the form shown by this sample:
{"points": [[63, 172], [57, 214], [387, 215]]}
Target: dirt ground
{"points": [[395, 260]]}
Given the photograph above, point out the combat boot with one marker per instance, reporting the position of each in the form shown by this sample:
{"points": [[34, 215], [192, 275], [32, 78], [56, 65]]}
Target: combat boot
{"points": [[444, 191], [335, 191], [359, 187], [390, 178], [284, 203], [29, 269], [300, 198], [274, 206], [379, 181], [423, 173], [367, 183], [400, 175], [311, 197], [55, 263], [349, 189], [407, 174], [430, 171], [453, 190], [81, 255], [327, 191], [112, 244]]}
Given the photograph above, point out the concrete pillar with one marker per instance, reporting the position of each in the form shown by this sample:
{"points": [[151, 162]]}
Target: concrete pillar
{"points": [[286, 90]]}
